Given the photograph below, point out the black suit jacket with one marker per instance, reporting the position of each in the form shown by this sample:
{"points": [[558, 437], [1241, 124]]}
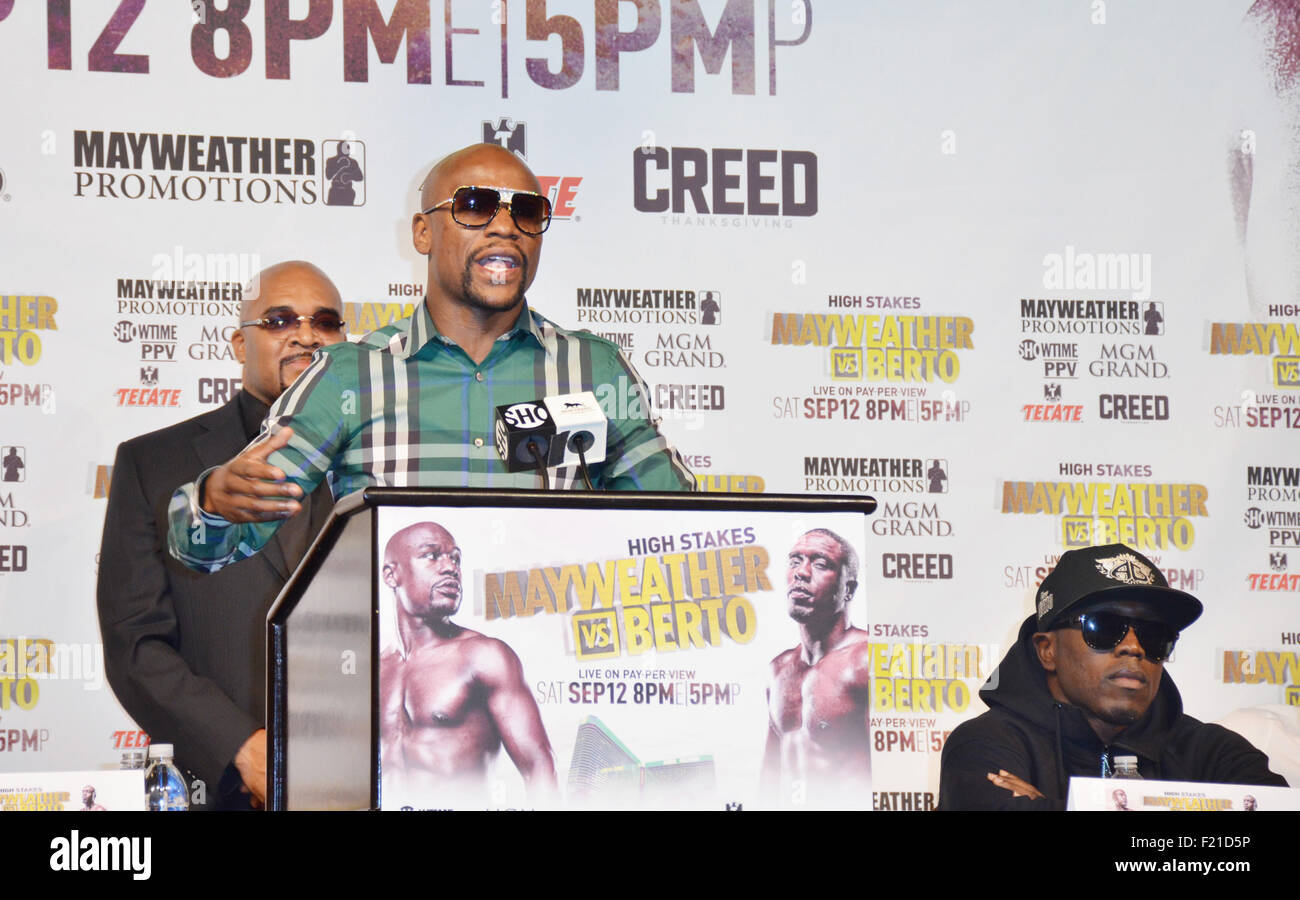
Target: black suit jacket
{"points": [[185, 653]]}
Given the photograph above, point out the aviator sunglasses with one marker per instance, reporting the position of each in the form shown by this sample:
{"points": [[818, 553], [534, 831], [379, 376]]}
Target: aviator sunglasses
{"points": [[278, 323], [475, 207], [1104, 631]]}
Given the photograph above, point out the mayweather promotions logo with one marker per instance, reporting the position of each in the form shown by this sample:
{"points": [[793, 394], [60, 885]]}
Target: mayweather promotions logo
{"points": [[1273, 483], [874, 475], [198, 168], [647, 306], [1091, 317]]}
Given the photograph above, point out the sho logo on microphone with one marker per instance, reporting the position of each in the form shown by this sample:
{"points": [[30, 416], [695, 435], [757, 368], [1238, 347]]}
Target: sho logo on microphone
{"points": [[525, 415]]}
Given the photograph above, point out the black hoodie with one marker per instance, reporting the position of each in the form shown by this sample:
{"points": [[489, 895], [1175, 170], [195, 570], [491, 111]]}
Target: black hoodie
{"points": [[1044, 742]]}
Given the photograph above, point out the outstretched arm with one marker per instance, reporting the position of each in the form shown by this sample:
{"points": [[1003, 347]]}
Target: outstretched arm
{"points": [[230, 512]]}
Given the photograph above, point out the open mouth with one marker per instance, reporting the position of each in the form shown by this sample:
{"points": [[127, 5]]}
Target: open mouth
{"points": [[499, 265]]}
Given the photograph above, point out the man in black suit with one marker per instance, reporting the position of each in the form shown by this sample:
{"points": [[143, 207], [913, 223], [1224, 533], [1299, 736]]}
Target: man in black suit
{"points": [[186, 653]]}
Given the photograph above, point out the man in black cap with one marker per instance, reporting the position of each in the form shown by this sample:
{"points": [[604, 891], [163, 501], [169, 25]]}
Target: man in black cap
{"points": [[1085, 682]]}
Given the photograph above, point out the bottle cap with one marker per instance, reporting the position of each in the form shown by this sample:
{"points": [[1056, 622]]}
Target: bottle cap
{"points": [[158, 751]]}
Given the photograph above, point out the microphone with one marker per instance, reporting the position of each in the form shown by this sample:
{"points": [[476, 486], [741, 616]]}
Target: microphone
{"points": [[523, 431], [580, 429], [561, 430]]}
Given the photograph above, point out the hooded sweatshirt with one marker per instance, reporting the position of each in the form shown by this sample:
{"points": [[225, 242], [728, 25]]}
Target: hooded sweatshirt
{"points": [[1037, 738]]}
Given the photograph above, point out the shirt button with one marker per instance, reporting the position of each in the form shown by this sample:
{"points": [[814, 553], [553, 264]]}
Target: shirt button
{"points": [[478, 442], [478, 376]]}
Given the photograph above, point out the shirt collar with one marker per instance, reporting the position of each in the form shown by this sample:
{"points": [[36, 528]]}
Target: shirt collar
{"points": [[251, 413], [420, 329]]}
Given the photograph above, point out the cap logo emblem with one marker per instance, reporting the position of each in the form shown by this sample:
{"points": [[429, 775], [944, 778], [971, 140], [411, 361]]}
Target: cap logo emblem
{"points": [[1045, 602], [1126, 568]]}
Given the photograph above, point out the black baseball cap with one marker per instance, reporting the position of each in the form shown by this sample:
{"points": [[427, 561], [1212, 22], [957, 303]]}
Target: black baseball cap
{"points": [[1111, 572]]}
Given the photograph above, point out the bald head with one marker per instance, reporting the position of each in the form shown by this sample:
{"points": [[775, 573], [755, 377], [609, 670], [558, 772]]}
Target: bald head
{"points": [[422, 566], [292, 272], [273, 358], [478, 273], [412, 539], [468, 165]]}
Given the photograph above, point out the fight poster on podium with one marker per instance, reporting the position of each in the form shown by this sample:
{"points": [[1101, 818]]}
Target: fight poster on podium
{"points": [[535, 658]]}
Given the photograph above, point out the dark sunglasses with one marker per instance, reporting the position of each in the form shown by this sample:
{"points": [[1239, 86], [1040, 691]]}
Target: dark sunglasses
{"points": [[475, 207], [1105, 631], [279, 323]]}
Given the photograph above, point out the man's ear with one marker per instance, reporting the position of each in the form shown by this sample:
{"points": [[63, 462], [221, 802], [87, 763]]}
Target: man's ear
{"points": [[421, 235], [390, 576], [850, 588], [237, 344], [1045, 644]]}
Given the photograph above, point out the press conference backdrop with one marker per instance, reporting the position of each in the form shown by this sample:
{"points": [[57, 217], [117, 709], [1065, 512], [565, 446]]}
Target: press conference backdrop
{"points": [[1024, 272]]}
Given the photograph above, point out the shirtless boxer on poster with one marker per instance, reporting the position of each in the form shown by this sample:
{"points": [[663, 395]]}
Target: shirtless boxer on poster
{"points": [[449, 697], [818, 746]]}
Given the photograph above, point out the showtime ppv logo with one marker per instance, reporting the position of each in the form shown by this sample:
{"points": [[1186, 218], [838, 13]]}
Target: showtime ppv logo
{"points": [[1283, 526], [157, 341], [127, 165], [1060, 360]]}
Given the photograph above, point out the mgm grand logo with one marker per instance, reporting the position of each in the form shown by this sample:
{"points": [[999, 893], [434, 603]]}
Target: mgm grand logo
{"points": [[910, 519]]}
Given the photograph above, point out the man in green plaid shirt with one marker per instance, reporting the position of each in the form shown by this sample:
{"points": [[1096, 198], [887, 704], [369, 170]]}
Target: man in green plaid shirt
{"points": [[412, 404]]}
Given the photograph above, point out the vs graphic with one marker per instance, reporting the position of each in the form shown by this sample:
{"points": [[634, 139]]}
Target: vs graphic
{"points": [[1286, 371], [595, 635]]}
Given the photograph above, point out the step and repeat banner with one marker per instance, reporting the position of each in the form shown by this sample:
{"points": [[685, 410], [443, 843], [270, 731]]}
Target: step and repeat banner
{"points": [[1024, 272]]}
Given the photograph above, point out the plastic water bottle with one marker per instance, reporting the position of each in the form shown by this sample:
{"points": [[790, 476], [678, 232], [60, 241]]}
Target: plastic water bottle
{"points": [[164, 786], [1127, 767]]}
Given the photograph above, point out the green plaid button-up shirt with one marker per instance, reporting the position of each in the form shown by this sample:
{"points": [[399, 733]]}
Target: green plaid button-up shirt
{"points": [[407, 407]]}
